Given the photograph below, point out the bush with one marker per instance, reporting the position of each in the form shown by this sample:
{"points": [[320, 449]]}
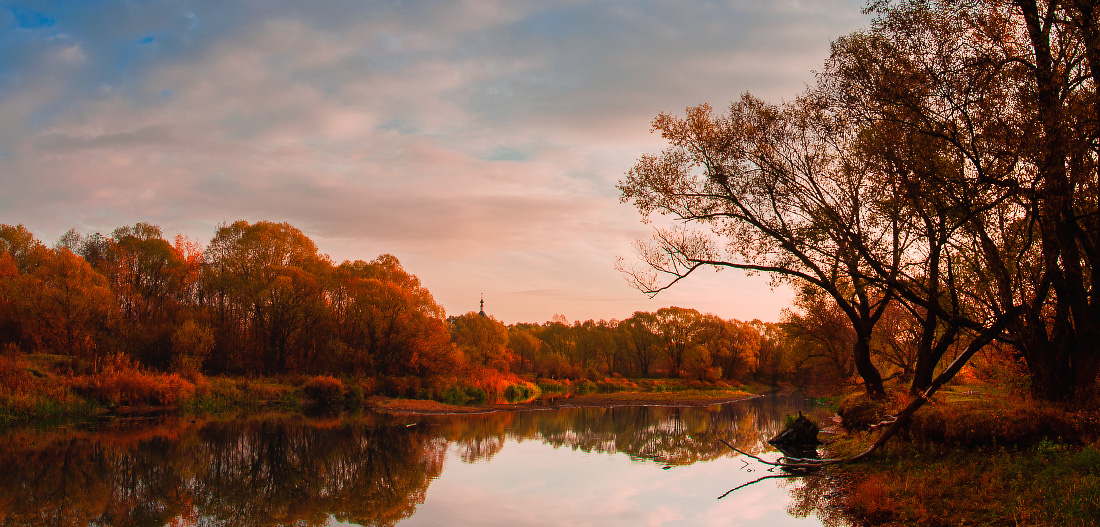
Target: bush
{"points": [[476, 395], [552, 386], [516, 393], [454, 396], [653, 385], [121, 383], [584, 387], [461, 396], [324, 390]]}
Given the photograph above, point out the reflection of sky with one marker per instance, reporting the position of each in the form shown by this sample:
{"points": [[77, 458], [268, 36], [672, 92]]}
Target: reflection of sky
{"points": [[533, 484], [479, 140]]}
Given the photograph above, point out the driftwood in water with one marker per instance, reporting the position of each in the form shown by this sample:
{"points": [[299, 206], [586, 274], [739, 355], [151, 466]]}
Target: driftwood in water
{"points": [[798, 439], [799, 432]]}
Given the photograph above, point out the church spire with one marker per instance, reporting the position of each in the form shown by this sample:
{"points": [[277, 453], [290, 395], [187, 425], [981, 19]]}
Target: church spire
{"points": [[482, 312]]}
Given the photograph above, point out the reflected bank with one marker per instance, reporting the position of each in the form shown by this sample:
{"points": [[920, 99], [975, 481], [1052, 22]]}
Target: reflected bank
{"points": [[595, 466]]}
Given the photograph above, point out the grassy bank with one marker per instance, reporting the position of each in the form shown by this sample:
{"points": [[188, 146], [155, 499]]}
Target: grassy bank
{"points": [[975, 461], [59, 388]]}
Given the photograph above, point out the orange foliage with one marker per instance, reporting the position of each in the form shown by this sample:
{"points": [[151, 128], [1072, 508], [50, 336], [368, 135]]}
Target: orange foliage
{"points": [[324, 389], [14, 377], [121, 383], [871, 499], [22, 392]]}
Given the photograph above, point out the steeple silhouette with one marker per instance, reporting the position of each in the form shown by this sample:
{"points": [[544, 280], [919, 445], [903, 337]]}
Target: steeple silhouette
{"points": [[482, 312]]}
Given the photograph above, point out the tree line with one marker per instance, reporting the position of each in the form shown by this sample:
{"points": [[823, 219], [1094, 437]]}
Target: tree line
{"points": [[943, 173], [260, 299]]}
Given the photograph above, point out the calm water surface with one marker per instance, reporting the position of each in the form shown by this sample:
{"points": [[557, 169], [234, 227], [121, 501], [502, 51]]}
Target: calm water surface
{"points": [[572, 466]]}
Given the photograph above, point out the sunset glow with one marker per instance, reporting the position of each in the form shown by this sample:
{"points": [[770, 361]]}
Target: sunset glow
{"points": [[479, 142]]}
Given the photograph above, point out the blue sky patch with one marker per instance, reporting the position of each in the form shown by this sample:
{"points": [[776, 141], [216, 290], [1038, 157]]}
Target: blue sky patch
{"points": [[28, 19]]}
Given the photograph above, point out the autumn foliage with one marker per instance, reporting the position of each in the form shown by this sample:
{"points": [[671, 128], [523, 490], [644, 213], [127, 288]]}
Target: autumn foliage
{"points": [[143, 321]]}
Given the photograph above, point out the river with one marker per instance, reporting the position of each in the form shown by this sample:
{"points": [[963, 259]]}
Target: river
{"points": [[633, 466]]}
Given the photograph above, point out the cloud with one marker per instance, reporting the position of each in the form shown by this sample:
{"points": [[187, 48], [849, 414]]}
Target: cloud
{"points": [[479, 137]]}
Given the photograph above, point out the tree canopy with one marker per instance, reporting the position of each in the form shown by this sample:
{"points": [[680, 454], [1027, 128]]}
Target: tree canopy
{"points": [[946, 162]]}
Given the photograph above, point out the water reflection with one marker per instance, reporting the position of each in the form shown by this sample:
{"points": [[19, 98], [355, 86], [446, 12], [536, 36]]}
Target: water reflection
{"points": [[367, 470]]}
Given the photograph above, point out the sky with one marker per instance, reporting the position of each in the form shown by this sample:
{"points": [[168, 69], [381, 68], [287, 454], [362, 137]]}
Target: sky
{"points": [[478, 141]]}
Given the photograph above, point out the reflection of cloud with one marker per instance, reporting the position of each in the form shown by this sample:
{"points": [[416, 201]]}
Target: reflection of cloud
{"points": [[663, 516], [455, 135], [534, 484]]}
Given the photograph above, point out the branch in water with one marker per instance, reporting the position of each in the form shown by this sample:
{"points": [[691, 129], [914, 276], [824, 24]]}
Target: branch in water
{"points": [[758, 480]]}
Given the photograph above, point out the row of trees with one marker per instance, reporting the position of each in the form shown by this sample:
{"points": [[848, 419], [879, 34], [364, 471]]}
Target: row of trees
{"points": [[942, 174], [260, 298]]}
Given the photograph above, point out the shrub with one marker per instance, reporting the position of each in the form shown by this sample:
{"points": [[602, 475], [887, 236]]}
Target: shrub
{"points": [[133, 388], [454, 396], [15, 378], [121, 383], [552, 386], [324, 390], [476, 395], [516, 393], [461, 396], [584, 387]]}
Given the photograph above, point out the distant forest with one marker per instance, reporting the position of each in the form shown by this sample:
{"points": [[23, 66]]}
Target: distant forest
{"points": [[259, 299]]}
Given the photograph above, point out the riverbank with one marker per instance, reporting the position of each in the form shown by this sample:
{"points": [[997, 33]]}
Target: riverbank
{"points": [[36, 388], [970, 459], [683, 398]]}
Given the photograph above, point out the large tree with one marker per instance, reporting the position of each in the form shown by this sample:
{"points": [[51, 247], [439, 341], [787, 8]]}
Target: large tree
{"points": [[263, 284], [385, 322], [1007, 92], [766, 188], [638, 334]]}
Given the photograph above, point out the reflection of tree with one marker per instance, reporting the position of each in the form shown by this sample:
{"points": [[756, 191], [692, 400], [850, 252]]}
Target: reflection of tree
{"points": [[280, 473], [668, 435], [263, 473], [67, 478], [816, 495], [662, 434], [371, 471]]}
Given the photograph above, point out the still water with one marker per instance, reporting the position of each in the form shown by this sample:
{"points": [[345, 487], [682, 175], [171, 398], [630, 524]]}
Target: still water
{"points": [[569, 466]]}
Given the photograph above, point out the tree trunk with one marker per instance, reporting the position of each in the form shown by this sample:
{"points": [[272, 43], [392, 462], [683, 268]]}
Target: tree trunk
{"points": [[872, 380]]}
